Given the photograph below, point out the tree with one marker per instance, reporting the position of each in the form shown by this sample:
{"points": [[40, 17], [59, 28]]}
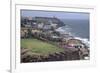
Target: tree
{"points": [[29, 33]]}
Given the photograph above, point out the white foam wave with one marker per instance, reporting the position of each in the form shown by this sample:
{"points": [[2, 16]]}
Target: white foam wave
{"points": [[84, 40], [64, 29], [67, 29]]}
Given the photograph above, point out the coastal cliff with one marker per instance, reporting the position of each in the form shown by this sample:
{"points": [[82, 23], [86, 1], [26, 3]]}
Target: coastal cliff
{"points": [[44, 30]]}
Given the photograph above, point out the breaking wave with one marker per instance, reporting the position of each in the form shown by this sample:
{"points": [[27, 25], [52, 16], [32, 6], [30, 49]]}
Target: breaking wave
{"points": [[84, 40], [64, 29], [67, 29]]}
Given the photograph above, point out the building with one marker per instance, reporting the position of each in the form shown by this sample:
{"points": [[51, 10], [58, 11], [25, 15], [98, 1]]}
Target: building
{"points": [[40, 25]]}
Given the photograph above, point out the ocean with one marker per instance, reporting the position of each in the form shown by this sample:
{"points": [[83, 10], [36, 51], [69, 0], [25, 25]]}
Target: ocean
{"points": [[80, 29]]}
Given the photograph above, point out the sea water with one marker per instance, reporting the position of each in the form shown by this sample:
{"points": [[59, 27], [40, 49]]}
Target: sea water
{"points": [[78, 28]]}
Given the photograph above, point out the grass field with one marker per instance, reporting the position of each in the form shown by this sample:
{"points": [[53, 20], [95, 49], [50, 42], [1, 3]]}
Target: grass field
{"points": [[40, 47]]}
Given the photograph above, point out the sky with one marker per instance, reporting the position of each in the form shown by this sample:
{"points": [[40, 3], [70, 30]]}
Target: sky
{"points": [[59, 14]]}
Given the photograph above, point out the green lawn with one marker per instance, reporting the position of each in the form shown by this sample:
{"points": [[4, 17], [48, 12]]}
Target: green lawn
{"points": [[40, 47]]}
